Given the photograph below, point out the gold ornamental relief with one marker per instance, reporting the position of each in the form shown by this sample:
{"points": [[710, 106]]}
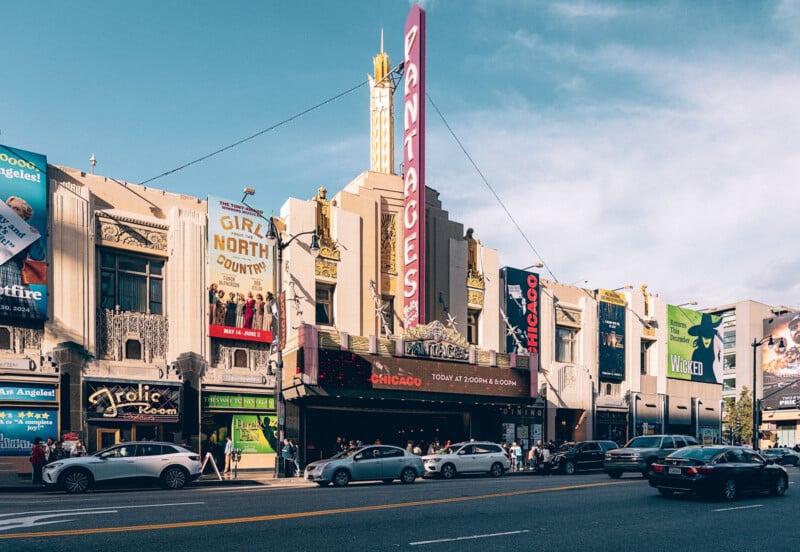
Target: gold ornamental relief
{"points": [[389, 243], [475, 297], [327, 245], [118, 233], [326, 269], [476, 280]]}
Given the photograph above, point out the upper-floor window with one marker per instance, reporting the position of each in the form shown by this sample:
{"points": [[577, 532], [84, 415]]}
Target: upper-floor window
{"points": [[729, 362], [565, 344], [472, 326], [387, 302], [644, 359], [729, 340], [325, 304], [5, 338], [135, 283]]}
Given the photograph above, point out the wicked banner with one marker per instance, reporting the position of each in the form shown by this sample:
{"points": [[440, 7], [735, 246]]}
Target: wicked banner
{"points": [[611, 312], [694, 345]]}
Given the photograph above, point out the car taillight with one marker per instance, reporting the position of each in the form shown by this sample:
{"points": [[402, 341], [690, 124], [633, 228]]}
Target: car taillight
{"points": [[658, 468], [702, 470]]}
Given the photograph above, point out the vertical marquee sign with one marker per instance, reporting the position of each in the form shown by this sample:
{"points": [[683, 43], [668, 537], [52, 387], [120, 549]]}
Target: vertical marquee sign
{"points": [[414, 169], [611, 309], [522, 310]]}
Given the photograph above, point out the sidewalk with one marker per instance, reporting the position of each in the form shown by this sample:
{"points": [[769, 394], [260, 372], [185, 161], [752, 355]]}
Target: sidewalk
{"points": [[12, 482]]}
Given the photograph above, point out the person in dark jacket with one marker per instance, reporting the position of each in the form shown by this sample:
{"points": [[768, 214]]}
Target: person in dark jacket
{"points": [[37, 460]]}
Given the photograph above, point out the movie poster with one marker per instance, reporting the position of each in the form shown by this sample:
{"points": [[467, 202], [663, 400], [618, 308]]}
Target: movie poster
{"points": [[611, 312], [781, 368], [694, 345]]}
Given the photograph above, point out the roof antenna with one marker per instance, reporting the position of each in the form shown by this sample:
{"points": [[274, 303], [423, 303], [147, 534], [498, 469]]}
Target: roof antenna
{"points": [[93, 162]]}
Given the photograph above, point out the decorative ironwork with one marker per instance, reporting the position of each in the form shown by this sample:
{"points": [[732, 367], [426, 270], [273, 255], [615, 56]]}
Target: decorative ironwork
{"points": [[223, 350], [116, 327], [389, 243]]}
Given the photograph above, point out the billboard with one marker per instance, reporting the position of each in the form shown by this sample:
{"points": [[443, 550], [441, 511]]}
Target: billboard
{"points": [[241, 273], [20, 426], [255, 433], [694, 345], [782, 369], [132, 402], [522, 311], [414, 169], [23, 234], [611, 321], [27, 392]]}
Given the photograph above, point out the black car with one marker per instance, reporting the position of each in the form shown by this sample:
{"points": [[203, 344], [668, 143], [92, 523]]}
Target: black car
{"points": [[718, 471], [583, 455], [782, 456]]}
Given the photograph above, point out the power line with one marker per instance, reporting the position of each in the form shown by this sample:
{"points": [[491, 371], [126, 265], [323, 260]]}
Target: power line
{"points": [[257, 134], [494, 193]]}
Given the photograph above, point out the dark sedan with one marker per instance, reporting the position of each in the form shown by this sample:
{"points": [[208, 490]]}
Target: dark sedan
{"points": [[718, 471], [584, 455], [782, 456]]}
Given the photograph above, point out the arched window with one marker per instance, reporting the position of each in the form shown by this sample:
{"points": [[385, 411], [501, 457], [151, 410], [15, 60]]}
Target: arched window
{"points": [[240, 358]]}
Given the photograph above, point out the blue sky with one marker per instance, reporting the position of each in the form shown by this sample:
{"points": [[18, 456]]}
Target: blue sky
{"points": [[633, 142]]}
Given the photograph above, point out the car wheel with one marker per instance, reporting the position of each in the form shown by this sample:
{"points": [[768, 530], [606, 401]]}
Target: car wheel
{"points": [[728, 490], [174, 478], [496, 470], [448, 471], [76, 481], [779, 487], [408, 476], [616, 474], [569, 468], [666, 492], [341, 478]]}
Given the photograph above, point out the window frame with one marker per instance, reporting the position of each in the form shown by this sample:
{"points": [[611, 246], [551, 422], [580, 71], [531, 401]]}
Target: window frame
{"points": [[324, 303], [566, 341], [148, 277]]}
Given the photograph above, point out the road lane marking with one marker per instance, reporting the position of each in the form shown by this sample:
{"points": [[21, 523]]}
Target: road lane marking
{"points": [[739, 508], [470, 537], [295, 515]]}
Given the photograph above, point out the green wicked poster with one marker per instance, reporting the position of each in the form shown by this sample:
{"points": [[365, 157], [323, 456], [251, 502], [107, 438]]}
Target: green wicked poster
{"points": [[254, 433], [694, 345]]}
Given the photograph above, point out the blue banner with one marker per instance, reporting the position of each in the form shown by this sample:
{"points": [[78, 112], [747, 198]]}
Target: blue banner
{"points": [[20, 426], [30, 393]]}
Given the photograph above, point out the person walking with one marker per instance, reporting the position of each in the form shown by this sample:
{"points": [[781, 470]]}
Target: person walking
{"points": [[79, 449], [58, 452], [286, 455], [516, 456], [37, 460], [228, 452], [48, 449], [295, 455]]}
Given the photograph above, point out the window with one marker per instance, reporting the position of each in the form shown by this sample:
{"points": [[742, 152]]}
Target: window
{"points": [[387, 302], [729, 384], [240, 358], [565, 344], [472, 326], [729, 362], [133, 350], [134, 283], [729, 340], [5, 338], [325, 304], [644, 359], [667, 443]]}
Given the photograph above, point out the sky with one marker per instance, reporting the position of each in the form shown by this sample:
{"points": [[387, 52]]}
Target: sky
{"points": [[619, 143]]}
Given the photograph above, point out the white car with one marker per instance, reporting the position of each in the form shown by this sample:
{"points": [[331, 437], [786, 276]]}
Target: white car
{"points": [[171, 464], [467, 457]]}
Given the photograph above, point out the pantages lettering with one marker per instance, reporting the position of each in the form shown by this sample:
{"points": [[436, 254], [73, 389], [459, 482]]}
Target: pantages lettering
{"points": [[436, 349], [140, 401]]}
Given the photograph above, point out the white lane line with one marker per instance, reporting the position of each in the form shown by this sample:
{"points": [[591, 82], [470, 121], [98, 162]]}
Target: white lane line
{"points": [[739, 508], [470, 537], [77, 510]]}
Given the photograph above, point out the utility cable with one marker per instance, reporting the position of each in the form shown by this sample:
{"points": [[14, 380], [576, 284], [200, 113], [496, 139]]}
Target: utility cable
{"points": [[491, 189]]}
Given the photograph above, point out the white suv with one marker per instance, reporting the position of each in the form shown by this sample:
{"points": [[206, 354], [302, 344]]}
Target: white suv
{"points": [[467, 457]]}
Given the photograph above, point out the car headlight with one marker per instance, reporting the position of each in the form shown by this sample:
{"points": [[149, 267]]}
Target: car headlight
{"points": [[434, 460], [53, 465]]}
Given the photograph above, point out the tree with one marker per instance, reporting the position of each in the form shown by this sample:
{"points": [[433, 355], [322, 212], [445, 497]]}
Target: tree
{"points": [[739, 413]]}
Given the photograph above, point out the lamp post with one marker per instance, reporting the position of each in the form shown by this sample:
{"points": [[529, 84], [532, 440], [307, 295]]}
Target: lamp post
{"points": [[756, 344], [275, 239]]}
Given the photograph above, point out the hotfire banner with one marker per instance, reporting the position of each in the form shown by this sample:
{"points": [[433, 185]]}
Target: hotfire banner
{"points": [[782, 369], [694, 345], [241, 273], [611, 312], [23, 234]]}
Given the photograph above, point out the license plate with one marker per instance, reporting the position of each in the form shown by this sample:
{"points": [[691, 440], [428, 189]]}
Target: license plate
{"points": [[674, 471]]}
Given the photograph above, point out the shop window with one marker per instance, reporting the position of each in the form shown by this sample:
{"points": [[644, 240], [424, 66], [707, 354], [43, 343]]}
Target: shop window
{"points": [[472, 326], [134, 283], [387, 302], [325, 304], [240, 358], [565, 344], [5, 339], [133, 350]]}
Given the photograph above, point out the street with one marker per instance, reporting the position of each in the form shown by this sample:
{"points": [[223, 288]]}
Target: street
{"points": [[581, 512]]}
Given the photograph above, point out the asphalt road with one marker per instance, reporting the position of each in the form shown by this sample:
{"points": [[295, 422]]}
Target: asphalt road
{"points": [[582, 512]]}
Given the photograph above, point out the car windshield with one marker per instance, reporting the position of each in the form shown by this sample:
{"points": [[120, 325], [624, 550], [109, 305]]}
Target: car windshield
{"points": [[644, 442], [566, 447], [702, 454], [346, 453]]}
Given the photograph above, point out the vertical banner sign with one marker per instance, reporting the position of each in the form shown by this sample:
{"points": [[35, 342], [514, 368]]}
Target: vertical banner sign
{"points": [[23, 234], [611, 314], [782, 369], [414, 168], [694, 345], [241, 273], [522, 310]]}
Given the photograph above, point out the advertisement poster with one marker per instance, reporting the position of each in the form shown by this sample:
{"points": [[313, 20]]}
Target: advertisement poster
{"points": [[611, 312], [522, 311], [255, 433], [241, 273], [27, 393], [20, 426], [781, 369], [694, 345], [23, 234]]}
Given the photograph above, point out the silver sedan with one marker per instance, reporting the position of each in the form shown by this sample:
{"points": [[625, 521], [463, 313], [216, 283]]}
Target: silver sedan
{"points": [[367, 463]]}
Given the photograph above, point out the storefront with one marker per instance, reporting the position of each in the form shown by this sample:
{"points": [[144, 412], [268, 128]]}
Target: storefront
{"points": [[118, 410], [612, 425]]}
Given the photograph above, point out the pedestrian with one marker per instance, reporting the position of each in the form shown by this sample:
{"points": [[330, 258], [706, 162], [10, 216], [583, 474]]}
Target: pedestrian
{"points": [[534, 455], [228, 452], [516, 456], [78, 449], [58, 452], [286, 455], [37, 461], [48, 448], [295, 455]]}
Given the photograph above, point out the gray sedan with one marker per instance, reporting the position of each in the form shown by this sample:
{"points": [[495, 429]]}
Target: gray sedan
{"points": [[367, 463]]}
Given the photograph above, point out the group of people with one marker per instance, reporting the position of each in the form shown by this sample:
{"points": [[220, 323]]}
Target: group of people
{"points": [[239, 311], [43, 453], [536, 458]]}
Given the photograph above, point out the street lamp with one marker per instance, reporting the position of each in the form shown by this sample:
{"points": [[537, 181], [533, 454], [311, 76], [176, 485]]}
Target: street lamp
{"points": [[275, 239], [687, 304], [756, 344]]}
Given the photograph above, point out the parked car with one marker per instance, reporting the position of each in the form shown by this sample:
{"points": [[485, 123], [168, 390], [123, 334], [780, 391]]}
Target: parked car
{"points": [[171, 464], [718, 470], [782, 456], [467, 457], [366, 463], [640, 453], [583, 455]]}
